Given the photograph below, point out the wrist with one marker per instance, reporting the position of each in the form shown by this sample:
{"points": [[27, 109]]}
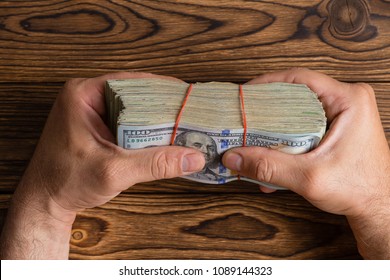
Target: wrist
{"points": [[372, 230], [36, 227], [35, 200], [41, 207]]}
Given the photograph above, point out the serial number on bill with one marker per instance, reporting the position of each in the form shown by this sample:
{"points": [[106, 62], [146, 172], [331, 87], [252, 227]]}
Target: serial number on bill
{"points": [[257, 270]]}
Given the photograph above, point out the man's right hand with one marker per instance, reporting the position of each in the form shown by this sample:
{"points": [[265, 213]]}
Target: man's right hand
{"points": [[348, 173], [77, 165]]}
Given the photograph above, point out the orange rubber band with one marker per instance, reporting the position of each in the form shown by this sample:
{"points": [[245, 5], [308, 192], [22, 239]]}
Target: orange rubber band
{"points": [[243, 114], [173, 137]]}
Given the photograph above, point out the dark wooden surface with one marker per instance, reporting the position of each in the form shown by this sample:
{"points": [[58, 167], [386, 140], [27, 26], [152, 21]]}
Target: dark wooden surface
{"points": [[43, 43]]}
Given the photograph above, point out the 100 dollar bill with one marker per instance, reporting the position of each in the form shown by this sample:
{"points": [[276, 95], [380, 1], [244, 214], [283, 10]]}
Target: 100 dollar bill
{"points": [[213, 144]]}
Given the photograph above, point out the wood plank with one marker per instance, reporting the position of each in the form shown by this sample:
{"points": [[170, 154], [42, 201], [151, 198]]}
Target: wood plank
{"points": [[196, 40], [230, 226], [210, 227], [24, 108], [42, 43]]}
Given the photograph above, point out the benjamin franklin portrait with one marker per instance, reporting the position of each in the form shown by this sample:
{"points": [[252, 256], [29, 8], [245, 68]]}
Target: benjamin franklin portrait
{"points": [[203, 143]]}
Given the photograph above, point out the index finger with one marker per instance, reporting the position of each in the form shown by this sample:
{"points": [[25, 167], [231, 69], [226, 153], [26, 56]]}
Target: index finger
{"points": [[330, 92]]}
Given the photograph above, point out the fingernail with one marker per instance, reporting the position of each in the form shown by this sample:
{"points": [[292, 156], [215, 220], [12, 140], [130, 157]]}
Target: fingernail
{"points": [[192, 162], [233, 161]]}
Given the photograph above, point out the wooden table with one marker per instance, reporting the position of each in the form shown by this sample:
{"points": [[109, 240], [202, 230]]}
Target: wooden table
{"points": [[43, 43]]}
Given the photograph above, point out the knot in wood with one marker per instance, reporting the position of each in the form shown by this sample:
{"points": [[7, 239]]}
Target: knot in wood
{"points": [[74, 22], [88, 231], [349, 19], [78, 235], [235, 226]]}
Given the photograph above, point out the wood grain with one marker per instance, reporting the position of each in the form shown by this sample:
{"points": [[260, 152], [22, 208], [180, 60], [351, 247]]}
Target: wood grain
{"points": [[43, 43], [210, 226], [233, 226], [194, 40]]}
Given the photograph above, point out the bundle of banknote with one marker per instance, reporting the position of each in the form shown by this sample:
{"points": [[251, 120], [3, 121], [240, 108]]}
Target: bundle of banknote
{"points": [[286, 117]]}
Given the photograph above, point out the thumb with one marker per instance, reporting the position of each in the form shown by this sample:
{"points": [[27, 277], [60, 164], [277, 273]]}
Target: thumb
{"points": [[266, 165], [163, 162]]}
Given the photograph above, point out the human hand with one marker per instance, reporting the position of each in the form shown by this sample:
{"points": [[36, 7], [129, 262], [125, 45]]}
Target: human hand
{"points": [[77, 162], [348, 173], [77, 165]]}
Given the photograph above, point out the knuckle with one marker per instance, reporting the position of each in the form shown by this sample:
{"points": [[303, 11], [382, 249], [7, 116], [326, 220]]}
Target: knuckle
{"points": [[366, 88], [73, 83], [364, 99], [296, 72], [111, 168], [314, 179], [107, 171], [364, 93], [163, 166], [72, 87], [264, 170]]}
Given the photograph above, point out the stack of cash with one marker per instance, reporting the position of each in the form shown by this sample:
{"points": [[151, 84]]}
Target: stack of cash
{"points": [[286, 117]]}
